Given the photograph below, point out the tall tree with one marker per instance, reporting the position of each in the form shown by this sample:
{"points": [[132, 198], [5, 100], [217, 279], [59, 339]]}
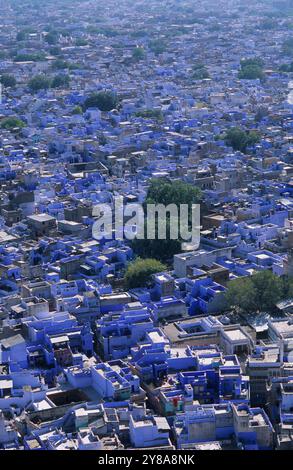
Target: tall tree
{"points": [[139, 272], [104, 101]]}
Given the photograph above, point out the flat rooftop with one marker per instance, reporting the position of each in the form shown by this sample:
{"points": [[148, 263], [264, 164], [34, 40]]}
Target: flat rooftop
{"points": [[283, 326], [41, 218], [235, 335]]}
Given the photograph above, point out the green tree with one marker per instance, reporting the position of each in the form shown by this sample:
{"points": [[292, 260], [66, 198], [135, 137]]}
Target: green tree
{"points": [[251, 72], [8, 80], [165, 192], [55, 50], [162, 250], [261, 113], [240, 139], [139, 272], [287, 287], [29, 57], [157, 46], [258, 293], [81, 42], [252, 61], [251, 69], [107, 31], [21, 36], [268, 24], [288, 47], [139, 33], [52, 38], [75, 66], [200, 74], [269, 288], [60, 81], [77, 110], [39, 82], [12, 122], [242, 294], [104, 101], [288, 68], [150, 114], [60, 64], [138, 54]]}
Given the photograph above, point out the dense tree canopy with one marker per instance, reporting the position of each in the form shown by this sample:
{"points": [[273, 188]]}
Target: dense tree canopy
{"points": [[163, 250], [104, 101], [139, 272], [200, 72], [55, 50], [150, 114], [60, 64], [21, 35], [138, 54], [60, 81], [168, 192], [12, 123], [259, 293], [81, 42], [288, 68], [77, 110], [251, 69], [52, 38], [39, 82], [165, 192], [251, 72], [288, 47], [261, 113], [240, 139], [268, 24], [8, 80], [29, 57], [157, 46]]}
